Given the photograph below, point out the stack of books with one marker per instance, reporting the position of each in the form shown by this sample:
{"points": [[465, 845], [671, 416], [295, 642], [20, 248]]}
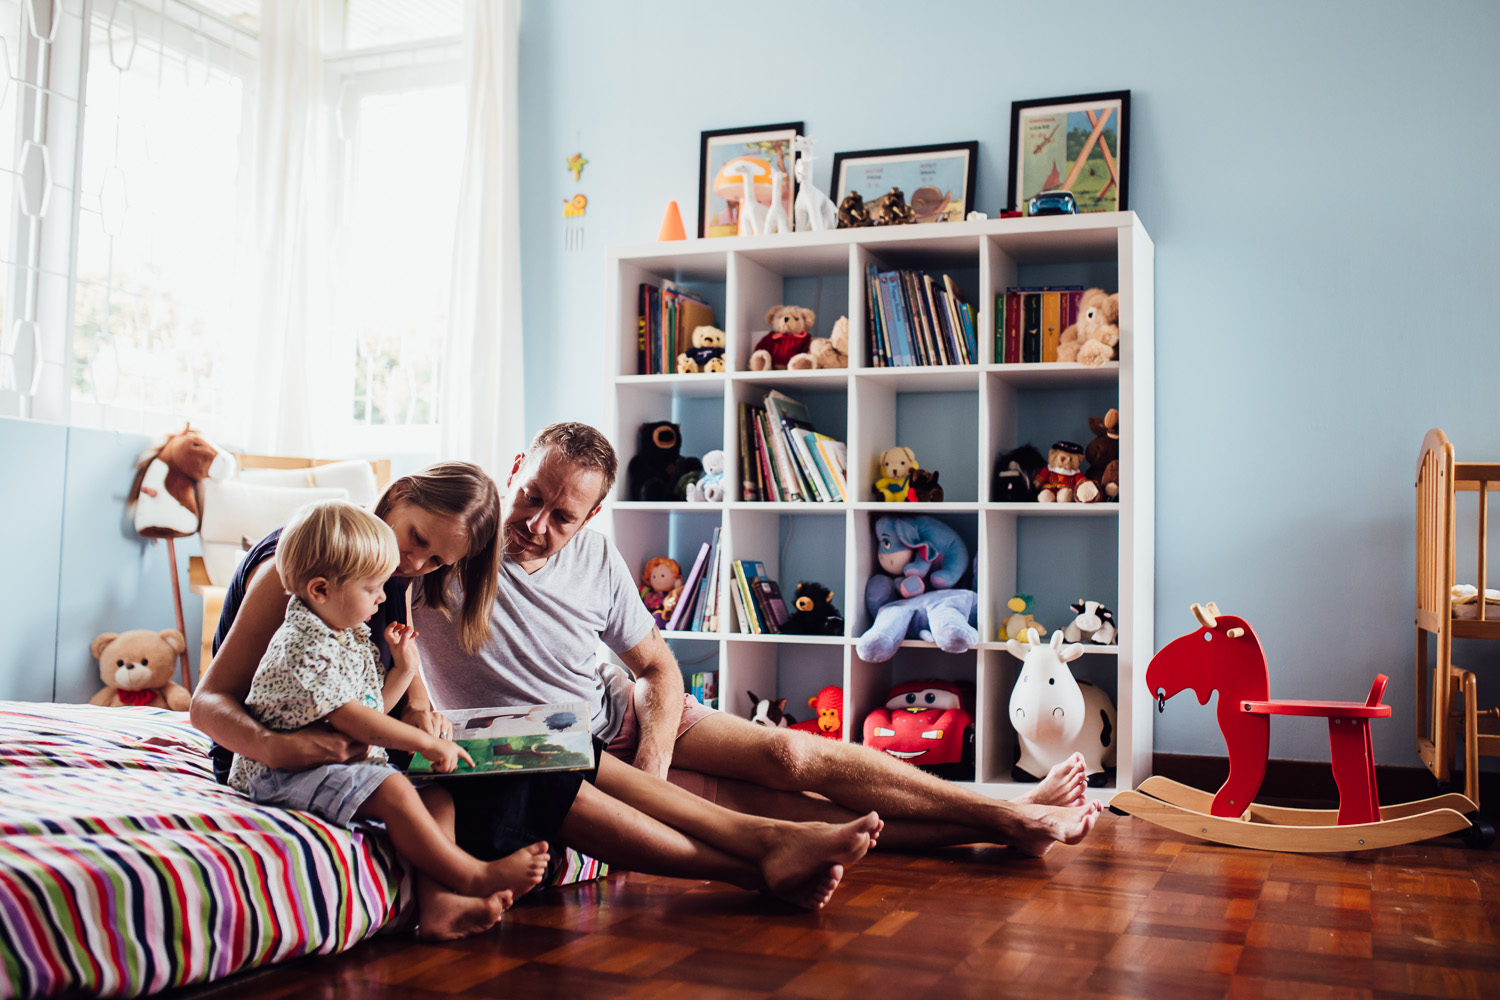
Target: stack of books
{"points": [[757, 599], [665, 320], [783, 457], [1029, 321], [916, 319], [697, 608]]}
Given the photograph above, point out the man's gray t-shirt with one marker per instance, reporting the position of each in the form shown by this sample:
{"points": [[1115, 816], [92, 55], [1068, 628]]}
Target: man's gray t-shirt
{"points": [[544, 639]]}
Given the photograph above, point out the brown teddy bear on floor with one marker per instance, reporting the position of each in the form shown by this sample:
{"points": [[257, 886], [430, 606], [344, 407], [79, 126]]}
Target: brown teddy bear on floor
{"points": [[1091, 341], [136, 668]]}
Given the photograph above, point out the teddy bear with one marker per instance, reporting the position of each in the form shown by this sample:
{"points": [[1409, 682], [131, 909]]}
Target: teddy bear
{"points": [[656, 471], [815, 613], [709, 488], [707, 354], [786, 345], [894, 484], [1020, 619], [1063, 480], [1103, 454], [1091, 341], [136, 668], [832, 351]]}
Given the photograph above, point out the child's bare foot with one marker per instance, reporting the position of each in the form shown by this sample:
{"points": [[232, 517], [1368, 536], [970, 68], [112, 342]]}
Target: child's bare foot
{"points": [[1043, 826], [447, 915], [520, 871], [1063, 785], [806, 860]]}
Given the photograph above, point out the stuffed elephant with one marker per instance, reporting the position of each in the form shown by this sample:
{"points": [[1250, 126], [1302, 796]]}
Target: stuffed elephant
{"points": [[946, 617], [920, 553]]}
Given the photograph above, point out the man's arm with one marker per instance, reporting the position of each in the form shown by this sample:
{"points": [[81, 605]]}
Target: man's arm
{"points": [[658, 701]]}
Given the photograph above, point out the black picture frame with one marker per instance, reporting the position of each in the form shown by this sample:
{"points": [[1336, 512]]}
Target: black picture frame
{"points": [[969, 151], [710, 140], [1019, 185]]}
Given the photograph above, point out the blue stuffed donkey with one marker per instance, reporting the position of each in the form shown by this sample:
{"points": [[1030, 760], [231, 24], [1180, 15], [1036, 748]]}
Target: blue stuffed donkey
{"points": [[920, 553], [946, 617]]}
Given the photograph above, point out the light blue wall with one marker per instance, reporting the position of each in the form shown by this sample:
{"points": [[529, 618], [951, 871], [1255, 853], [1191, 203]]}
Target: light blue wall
{"points": [[1318, 180], [76, 566]]}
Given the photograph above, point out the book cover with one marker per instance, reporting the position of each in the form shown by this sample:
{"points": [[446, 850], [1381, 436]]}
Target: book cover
{"points": [[966, 318], [1031, 327], [901, 342], [642, 297], [520, 739], [743, 603], [770, 601], [879, 352], [788, 478], [936, 315], [793, 417], [682, 612], [1051, 312], [770, 489], [836, 456], [1012, 327], [747, 472]]}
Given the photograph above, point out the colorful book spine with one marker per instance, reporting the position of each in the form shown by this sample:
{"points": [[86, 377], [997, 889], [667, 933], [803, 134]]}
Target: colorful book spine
{"points": [[767, 470], [744, 604], [1031, 327], [747, 470], [880, 351], [771, 604], [682, 613], [1051, 313]]}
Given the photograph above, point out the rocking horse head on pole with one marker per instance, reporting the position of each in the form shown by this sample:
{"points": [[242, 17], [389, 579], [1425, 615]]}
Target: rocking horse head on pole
{"points": [[165, 491], [1224, 655]]}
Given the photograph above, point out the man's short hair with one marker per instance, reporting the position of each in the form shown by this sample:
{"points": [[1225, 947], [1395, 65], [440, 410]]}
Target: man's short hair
{"points": [[336, 540], [579, 444]]}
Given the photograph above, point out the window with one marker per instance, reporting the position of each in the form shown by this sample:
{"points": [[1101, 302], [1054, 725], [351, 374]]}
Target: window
{"points": [[164, 297], [399, 124]]}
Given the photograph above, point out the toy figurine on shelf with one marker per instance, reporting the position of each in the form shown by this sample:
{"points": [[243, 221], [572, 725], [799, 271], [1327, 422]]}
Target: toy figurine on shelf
{"points": [[813, 210], [661, 580], [852, 212], [891, 209]]}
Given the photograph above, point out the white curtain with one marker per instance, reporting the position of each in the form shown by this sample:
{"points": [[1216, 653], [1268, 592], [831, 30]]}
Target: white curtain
{"points": [[288, 140], [482, 402]]}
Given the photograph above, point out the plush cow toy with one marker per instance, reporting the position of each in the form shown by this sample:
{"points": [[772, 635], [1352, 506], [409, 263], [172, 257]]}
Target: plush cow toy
{"points": [[1055, 715]]}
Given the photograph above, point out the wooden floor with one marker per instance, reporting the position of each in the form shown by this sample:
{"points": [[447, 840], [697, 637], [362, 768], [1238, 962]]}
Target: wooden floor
{"points": [[1135, 911]]}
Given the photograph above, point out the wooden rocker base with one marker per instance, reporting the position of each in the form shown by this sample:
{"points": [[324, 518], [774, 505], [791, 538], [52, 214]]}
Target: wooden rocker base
{"points": [[1184, 809]]}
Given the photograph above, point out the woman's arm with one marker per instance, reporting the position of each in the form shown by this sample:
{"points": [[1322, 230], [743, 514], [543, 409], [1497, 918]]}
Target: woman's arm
{"points": [[218, 706], [418, 711]]}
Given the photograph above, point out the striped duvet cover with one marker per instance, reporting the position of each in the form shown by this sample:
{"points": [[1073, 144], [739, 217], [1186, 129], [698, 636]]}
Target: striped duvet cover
{"points": [[125, 869]]}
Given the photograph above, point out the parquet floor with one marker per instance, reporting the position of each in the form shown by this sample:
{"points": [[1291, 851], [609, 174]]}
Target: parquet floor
{"points": [[1135, 911]]}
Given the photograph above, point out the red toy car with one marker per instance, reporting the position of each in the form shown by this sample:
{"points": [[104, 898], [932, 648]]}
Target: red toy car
{"points": [[924, 723]]}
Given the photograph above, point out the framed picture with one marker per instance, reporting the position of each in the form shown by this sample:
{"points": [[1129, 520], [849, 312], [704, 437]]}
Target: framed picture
{"points": [[733, 159], [936, 181], [1079, 144]]}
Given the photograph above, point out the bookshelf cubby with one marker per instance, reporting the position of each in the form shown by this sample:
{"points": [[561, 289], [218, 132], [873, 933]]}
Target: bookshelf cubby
{"points": [[956, 418]]}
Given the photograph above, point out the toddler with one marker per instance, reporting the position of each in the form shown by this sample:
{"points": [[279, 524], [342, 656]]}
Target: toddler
{"points": [[334, 559]]}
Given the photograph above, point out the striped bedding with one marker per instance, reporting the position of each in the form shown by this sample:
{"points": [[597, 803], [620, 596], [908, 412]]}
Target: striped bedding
{"points": [[125, 869]]}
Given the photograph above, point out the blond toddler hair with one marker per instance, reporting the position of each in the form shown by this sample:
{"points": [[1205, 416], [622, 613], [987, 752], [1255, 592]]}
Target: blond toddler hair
{"points": [[336, 540]]}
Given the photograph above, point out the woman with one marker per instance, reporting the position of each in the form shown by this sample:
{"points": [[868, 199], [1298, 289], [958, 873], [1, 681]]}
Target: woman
{"points": [[446, 523]]}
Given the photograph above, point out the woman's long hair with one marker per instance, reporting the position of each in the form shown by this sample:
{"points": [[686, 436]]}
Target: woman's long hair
{"points": [[461, 491]]}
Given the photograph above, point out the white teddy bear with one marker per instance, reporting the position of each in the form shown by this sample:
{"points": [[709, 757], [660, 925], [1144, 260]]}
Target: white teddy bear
{"points": [[709, 488]]}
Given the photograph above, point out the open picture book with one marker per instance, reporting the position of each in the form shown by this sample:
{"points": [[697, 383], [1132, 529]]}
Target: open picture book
{"points": [[519, 739]]}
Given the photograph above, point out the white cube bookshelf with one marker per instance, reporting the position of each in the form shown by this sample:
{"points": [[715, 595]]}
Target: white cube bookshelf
{"points": [[967, 414]]}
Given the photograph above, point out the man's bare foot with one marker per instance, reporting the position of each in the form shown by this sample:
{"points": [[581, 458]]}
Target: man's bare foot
{"points": [[1043, 826], [520, 871], [804, 861], [1063, 785], [446, 915]]}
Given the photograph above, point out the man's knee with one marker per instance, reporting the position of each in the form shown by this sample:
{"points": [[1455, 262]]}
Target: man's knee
{"points": [[799, 758]]}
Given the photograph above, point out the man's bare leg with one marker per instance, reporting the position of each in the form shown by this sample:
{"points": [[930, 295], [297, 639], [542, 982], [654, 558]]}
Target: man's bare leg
{"points": [[919, 810], [619, 834], [786, 852]]}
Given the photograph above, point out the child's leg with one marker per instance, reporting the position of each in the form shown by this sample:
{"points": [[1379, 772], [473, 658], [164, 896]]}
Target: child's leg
{"points": [[443, 914], [422, 842]]}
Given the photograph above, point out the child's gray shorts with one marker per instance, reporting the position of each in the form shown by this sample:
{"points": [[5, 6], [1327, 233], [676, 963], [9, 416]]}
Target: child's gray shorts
{"points": [[333, 791]]}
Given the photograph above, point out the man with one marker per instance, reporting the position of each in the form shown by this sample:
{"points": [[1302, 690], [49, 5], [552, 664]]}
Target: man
{"points": [[564, 588]]}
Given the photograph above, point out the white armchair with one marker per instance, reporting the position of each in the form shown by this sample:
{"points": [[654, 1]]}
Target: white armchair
{"points": [[239, 512]]}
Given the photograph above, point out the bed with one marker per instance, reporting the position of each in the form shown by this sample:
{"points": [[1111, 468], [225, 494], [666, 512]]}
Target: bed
{"points": [[126, 869]]}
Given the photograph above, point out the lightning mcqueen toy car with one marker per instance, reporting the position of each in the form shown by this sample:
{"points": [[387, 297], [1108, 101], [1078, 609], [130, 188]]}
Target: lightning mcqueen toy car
{"points": [[923, 723]]}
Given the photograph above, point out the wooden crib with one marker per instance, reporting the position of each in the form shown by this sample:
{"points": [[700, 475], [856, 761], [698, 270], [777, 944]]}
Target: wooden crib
{"points": [[1447, 711]]}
